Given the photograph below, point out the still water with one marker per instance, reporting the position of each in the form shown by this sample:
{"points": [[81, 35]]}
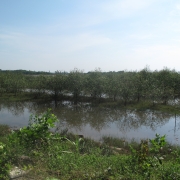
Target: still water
{"points": [[95, 122]]}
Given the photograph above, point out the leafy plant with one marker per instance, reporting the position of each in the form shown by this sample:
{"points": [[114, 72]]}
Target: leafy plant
{"points": [[148, 157], [38, 131], [157, 145], [4, 165]]}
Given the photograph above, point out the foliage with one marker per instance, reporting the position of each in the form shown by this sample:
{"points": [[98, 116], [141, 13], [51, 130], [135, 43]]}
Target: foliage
{"points": [[26, 72], [56, 84], [74, 84], [86, 159], [4, 130], [148, 158], [37, 132], [95, 83], [126, 86], [4, 165], [112, 85], [12, 82], [38, 85]]}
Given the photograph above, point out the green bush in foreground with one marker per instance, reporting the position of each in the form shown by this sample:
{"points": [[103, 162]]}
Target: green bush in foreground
{"points": [[55, 156], [37, 133], [4, 165]]}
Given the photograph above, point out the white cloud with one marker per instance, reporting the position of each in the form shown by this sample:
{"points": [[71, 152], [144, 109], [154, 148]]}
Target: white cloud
{"points": [[53, 44], [178, 6], [84, 40], [125, 8], [175, 12], [115, 35], [157, 56], [23, 51], [144, 36]]}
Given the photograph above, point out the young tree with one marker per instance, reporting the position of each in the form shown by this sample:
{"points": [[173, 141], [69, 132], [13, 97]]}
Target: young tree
{"points": [[112, 85], [56, 84], [126, 87], [95, 84], [14, 82], [141, 84], [75, 83], [165, 85], [38, 85]]}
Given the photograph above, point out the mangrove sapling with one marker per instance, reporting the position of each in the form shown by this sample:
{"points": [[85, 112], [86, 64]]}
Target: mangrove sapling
{"points": [[111, 85], [95, 84], [37, 85], [37, 133], [75, 84], [56, 85], [148, 158]]}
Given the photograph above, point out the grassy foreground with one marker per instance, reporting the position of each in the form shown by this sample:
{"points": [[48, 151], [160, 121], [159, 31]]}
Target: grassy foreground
{"points": [[52, 156]]}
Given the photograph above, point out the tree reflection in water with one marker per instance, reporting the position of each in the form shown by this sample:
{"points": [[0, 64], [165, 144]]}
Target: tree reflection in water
{"points": [[102, 121]]}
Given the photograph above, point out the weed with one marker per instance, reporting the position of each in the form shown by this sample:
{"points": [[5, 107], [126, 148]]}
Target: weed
{"points": [[37, 132], [67, 156], [4, 165]]}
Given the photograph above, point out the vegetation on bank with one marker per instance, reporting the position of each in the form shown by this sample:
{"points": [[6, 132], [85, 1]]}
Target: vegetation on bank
{"points": [[47, 155], [156, 87], [53, 155]]}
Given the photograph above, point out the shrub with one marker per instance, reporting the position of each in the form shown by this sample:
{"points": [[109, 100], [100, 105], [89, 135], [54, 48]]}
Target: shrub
{"points": [[37, 133], [4, 166]]}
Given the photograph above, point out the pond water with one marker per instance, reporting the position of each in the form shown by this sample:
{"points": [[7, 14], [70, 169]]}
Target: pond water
{"points": [[95, 122]]}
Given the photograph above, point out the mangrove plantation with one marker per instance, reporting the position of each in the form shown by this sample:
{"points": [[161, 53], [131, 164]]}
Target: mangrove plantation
{"points": [[90, 126], [123, 86]]}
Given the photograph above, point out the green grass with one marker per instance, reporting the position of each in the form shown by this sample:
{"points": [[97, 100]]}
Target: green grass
{"points": [[65, 156]]}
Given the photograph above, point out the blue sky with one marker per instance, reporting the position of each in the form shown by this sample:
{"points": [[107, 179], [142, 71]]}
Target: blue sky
{"points": [[114, 35]]}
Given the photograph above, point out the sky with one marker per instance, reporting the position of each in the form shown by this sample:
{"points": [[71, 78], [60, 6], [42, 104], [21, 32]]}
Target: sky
{"points": [[113, 35]]}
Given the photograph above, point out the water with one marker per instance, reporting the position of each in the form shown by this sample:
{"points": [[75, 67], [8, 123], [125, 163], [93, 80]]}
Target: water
{"points": [[95, 122]]}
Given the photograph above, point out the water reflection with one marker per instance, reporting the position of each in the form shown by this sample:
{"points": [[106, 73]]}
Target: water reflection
{"points": [[95, 121]]}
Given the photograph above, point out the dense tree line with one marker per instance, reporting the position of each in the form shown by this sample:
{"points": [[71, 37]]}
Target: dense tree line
{"points": [[126, 86], [26, 72]]}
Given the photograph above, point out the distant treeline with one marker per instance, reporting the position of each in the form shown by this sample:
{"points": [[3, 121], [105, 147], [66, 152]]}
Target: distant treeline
{"points": [[25, 72], [126, 86]]}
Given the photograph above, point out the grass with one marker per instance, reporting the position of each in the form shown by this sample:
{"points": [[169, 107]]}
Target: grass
{"points": [[65, 156]]}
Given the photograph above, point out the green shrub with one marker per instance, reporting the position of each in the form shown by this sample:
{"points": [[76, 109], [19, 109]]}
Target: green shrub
{"points": [[37, 133], [4, 165], [4, 130]]}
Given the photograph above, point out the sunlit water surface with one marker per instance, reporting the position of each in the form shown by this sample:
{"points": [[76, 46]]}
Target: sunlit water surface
{"points": [[95, 122]]}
